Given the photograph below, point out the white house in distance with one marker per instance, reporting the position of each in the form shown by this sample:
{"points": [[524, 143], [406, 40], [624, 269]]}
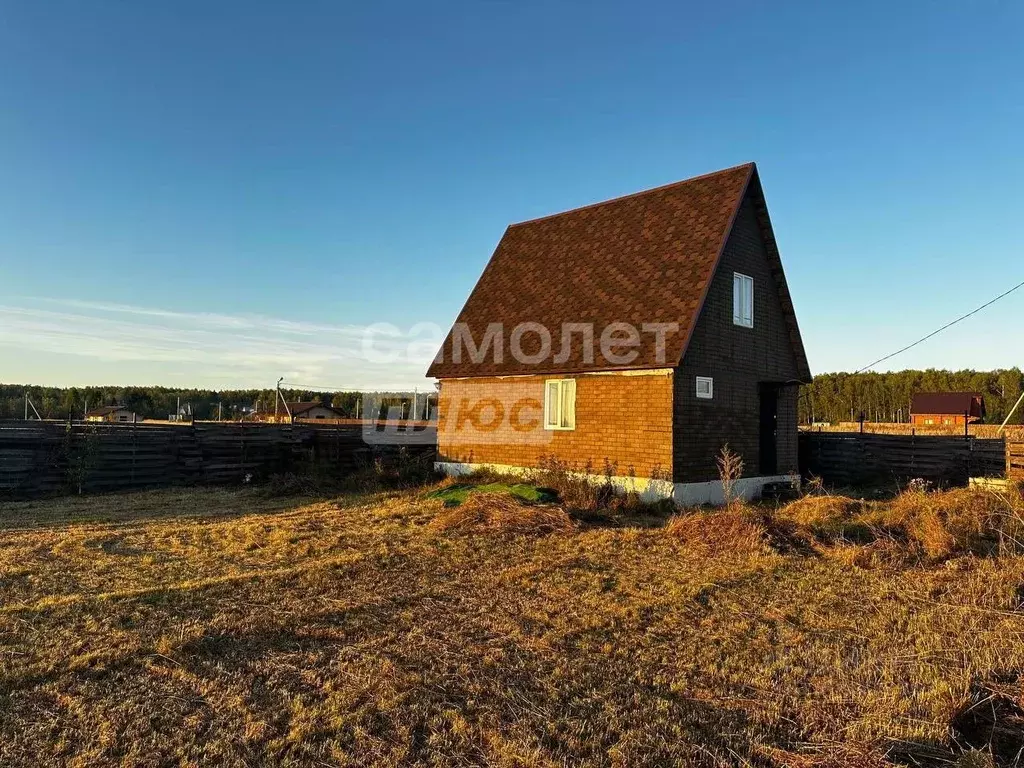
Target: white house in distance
{"points": [[115, 414]]}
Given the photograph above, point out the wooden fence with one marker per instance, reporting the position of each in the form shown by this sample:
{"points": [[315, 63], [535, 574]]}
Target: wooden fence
{"points": [[47, 458], [846, 458], [1015, 460]]}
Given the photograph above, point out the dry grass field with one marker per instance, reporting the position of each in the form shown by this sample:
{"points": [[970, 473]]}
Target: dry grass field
{"points": [[221, 627]]}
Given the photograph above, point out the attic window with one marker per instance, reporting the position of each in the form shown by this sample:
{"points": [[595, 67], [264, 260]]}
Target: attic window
{"points": [[560, 404], [705, 387], [742, 300]]}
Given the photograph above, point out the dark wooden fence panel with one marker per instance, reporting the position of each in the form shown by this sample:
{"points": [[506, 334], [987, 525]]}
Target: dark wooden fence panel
{"points": [[1015, 459], [40, 459], [844, 458]]}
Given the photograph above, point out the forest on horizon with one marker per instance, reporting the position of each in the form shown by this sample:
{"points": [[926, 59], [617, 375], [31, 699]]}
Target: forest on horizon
{"points": [[832, 397], [885, 397], [160, 402]]}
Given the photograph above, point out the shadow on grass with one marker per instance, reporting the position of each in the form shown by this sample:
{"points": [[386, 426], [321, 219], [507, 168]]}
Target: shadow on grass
{"points": [[132, 507], [603, 698]]}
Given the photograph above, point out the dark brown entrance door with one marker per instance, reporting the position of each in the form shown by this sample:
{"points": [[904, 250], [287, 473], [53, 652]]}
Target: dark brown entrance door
{"points": [[769, 429]]}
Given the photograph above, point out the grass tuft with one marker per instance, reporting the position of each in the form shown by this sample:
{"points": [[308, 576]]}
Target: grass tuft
{"points": [[501, 513], [735, 529]]}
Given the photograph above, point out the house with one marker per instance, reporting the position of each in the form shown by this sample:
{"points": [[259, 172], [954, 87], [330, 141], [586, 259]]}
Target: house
{"points": [[946, 408], [312, 411], [111, 413], [633, 339]]}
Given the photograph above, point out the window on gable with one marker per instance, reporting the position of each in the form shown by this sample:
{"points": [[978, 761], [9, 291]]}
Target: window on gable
{"points": [[742, 300], [560, 404], [705, 387]]}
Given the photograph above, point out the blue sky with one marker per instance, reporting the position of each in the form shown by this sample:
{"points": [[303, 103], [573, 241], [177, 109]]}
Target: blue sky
{"points": [[218, 194]]}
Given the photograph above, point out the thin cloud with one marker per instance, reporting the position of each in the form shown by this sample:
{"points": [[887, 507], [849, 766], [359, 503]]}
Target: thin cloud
{"points": [[246, 350]]}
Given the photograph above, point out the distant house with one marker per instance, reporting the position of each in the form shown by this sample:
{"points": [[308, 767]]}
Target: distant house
{"points": [[929, 409], [111, 413], [697, 258], [313, 411]]}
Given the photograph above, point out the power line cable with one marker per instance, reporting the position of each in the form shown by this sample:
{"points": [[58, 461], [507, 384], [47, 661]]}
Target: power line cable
{"points": [[940, 330], [314, 387]]}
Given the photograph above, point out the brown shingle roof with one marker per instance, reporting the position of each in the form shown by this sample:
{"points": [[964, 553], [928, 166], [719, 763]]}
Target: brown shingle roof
{"points": [[643, 258], [297, 409], [105, 410], [949, 403]]}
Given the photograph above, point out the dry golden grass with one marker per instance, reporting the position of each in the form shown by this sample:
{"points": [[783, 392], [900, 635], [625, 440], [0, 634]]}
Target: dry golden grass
{"points": [[735, 530], [501, 513], [221, 628]]}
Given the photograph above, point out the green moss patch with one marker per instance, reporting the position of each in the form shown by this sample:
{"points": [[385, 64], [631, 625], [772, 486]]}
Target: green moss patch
{"points": [[454, 495]]}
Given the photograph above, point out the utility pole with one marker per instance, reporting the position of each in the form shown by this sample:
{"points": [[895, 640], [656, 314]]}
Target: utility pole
{"points": [[277, 399], [28, 402], [1010, 414]]}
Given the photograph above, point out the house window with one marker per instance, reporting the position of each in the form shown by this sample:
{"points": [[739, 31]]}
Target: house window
{"points": [[742, 300], [560, 404], [929, 421], [705, 387]]}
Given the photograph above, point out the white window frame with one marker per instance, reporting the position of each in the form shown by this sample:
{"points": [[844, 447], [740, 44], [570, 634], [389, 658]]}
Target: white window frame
{"points": [[563, 415], [742, 300], [710, 393]]}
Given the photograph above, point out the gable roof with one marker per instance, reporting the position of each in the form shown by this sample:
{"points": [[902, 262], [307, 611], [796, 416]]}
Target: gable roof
{"points": [[297, 409], [645, 258], [105, 410], [949, 403]]}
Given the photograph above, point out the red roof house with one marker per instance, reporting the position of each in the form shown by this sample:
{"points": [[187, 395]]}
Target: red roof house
{"points": [[946, 408]]}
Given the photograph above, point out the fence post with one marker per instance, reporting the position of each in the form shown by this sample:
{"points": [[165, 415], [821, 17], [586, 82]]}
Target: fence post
{"points": [[134, 449]]}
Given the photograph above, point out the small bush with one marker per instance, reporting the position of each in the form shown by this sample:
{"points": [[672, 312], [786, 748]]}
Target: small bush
{"points": [[575, 490], [578, 492], [730, 470], [501, 513], [728, 530]]}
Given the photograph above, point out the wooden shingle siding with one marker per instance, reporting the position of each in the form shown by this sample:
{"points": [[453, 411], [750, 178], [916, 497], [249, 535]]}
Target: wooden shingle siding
{"points": [[626, 419], [738, 359]]}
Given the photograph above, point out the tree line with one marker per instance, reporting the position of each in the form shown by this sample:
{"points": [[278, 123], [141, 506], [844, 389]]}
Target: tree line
{"points": [[832, 397], [202, 404], [886, 397]]}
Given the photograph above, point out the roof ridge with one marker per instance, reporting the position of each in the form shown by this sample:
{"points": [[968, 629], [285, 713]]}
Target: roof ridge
{"points": [[620, 198]]}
